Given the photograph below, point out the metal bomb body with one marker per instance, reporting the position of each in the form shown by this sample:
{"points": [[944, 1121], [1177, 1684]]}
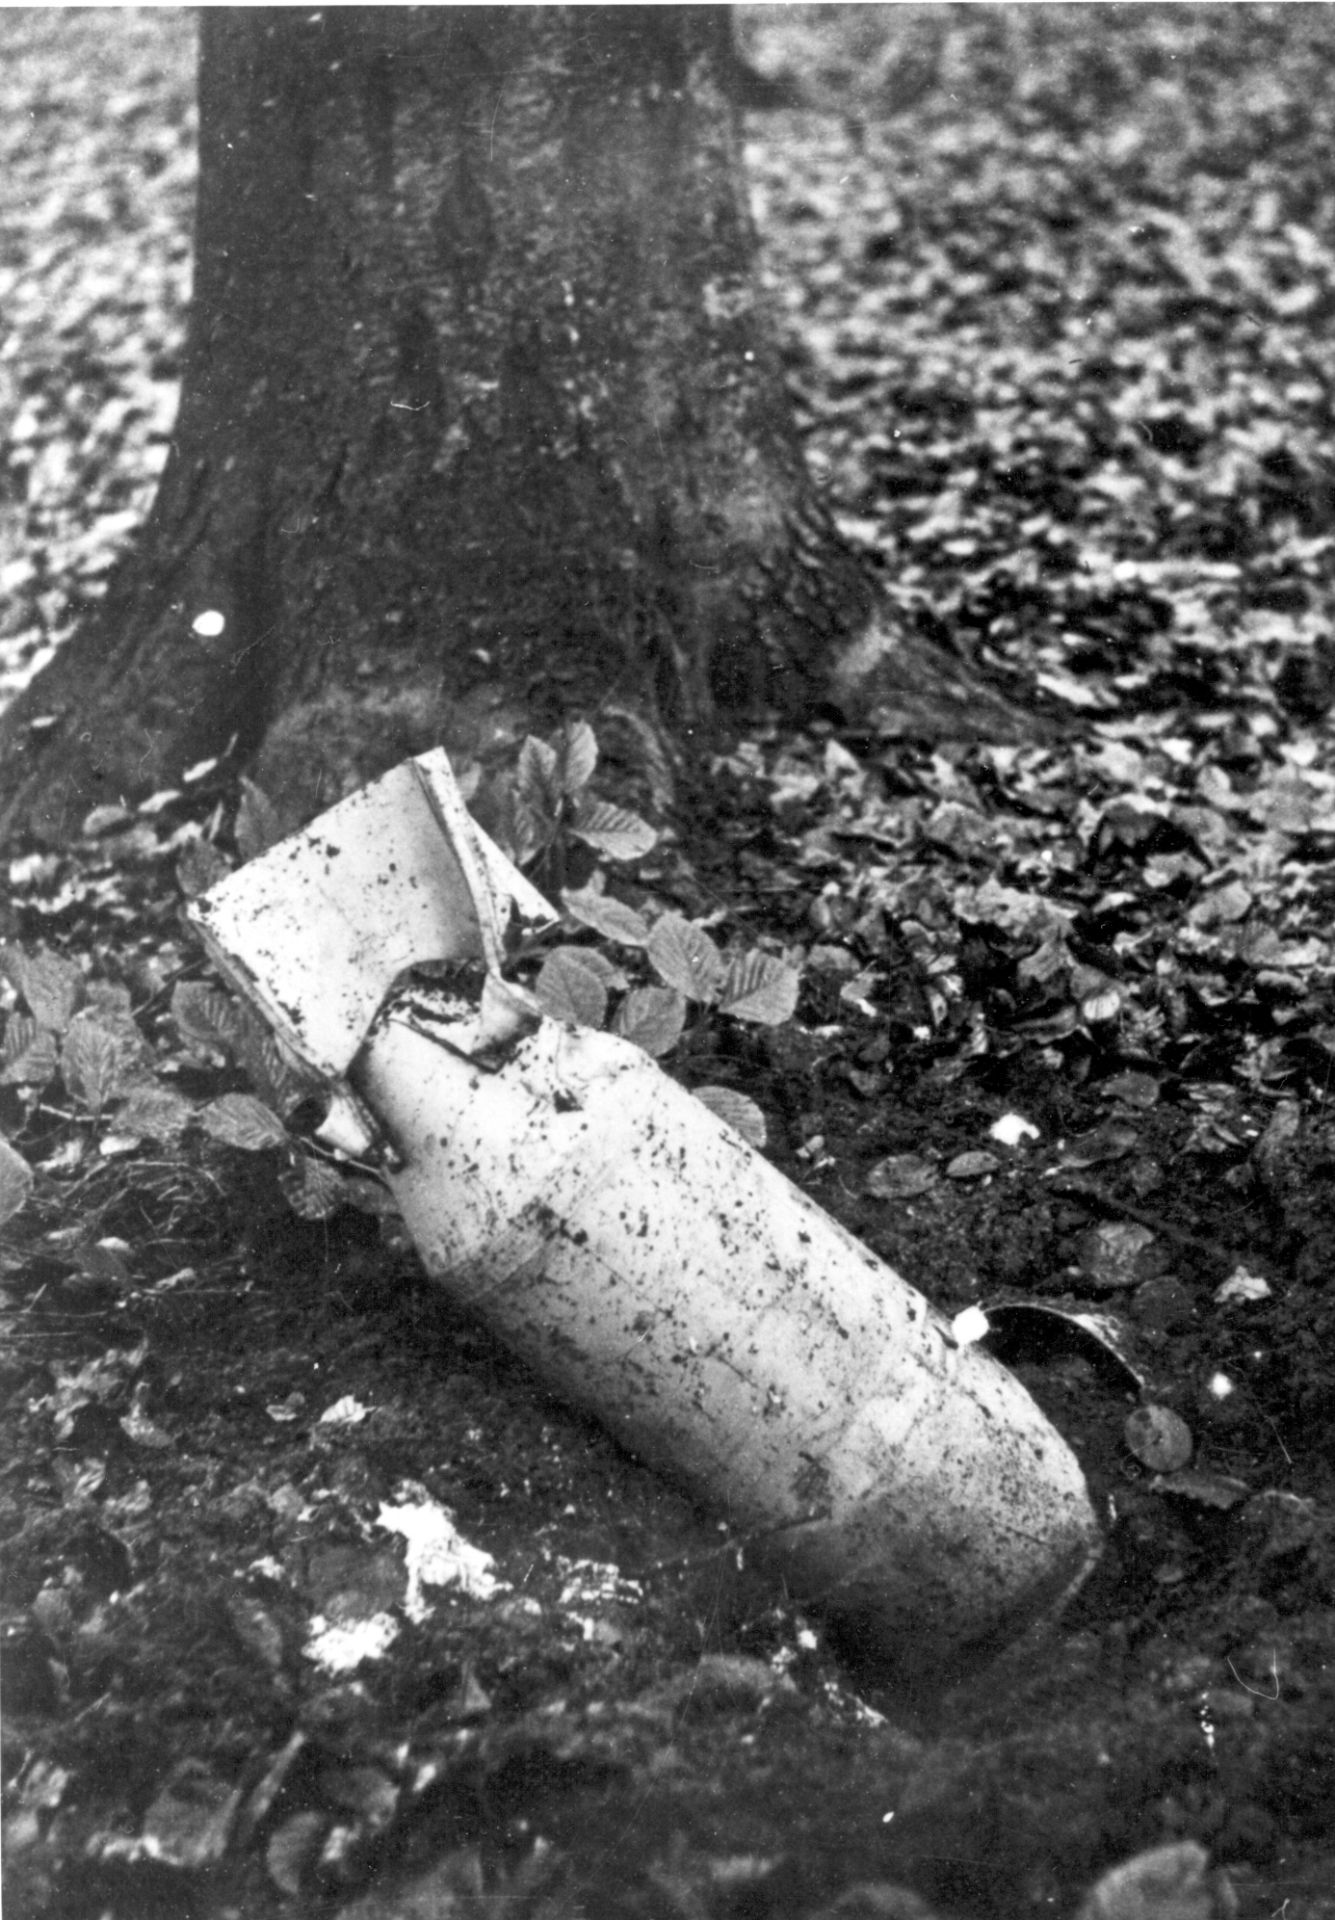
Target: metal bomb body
{"points": [[656, 1271]]}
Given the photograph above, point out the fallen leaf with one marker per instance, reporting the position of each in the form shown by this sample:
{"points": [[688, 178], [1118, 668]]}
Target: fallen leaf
{"points": [[199, 866], [345, 1412], [52, 986], [258, 826], [153, 1112], [760, 988], [312, 1188], [362, 1790], [1242, 1286], [95, 1062], [341, 1646], [1206, 1489], [1131, 1089], [189, 1824], [292, 1848], [1116, 1254], [137, 1426], [16, 1178], [1163, 1883], [899, 1177], [614, 831], [1280, 1522], [1108, 1142], [974, 1165], [726, 1682], [240, 1120], [739, 1112], [256, 1629], [31, 1053], [438, 1554]]}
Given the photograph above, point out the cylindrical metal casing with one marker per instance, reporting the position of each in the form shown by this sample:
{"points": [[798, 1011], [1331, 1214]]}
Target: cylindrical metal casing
{"points": [[656, 1271]]}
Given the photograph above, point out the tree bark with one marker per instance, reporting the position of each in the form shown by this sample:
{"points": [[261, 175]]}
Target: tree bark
{"points": [[482, 421]]}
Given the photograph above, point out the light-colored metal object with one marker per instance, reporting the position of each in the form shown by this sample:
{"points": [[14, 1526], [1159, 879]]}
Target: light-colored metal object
{"points": [[648, 1264]]}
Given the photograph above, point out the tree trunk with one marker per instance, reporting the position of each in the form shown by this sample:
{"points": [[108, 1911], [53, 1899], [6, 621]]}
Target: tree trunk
{"points": [[481, 423]]}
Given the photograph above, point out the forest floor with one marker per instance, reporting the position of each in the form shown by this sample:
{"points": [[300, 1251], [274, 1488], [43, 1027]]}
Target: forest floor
{"points": [[1058, 286]]}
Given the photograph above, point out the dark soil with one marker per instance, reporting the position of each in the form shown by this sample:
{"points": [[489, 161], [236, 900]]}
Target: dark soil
{"points": [[1059, 284]]}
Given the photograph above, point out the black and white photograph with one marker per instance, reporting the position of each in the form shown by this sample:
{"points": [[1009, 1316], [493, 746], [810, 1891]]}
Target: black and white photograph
{"points": [[667, 961]]}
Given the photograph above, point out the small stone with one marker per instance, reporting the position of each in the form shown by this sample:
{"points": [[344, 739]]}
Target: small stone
{"points": [[1159, 1438]]}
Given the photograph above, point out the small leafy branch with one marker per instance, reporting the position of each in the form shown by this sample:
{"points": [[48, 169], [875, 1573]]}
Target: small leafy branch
{"points": [[668, 964], [213, 1024], [551, 805], [545, 807], [74, 1039], [69, 1034], [576, 984]]}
